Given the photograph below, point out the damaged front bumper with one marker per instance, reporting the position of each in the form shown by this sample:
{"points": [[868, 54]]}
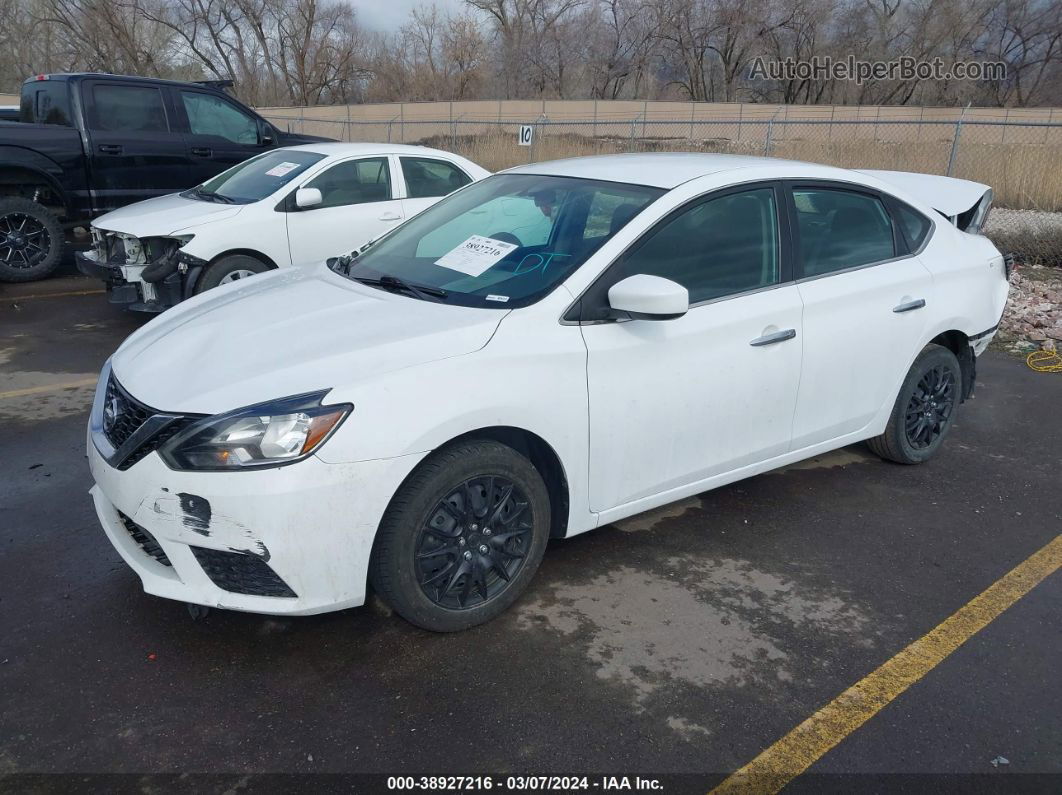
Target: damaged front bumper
{"points": [[291, 540], [138, 275]]}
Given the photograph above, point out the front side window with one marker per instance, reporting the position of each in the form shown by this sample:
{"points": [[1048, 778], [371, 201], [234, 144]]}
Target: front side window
{"points": [[210, 115], [254, 179], [715, 248], [840, 229], [128, 109], [503, 242], [426, 177], [354, 182]]}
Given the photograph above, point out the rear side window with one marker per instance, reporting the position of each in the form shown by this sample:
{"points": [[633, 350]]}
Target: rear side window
{"points": [[840, 229], [719, 247], [354, 182], [425, 178], [46, 102], [128, 109], [915, 226]]}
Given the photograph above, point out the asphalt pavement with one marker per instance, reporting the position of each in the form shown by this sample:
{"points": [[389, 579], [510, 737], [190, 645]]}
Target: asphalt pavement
{"points": [[684, 641]]}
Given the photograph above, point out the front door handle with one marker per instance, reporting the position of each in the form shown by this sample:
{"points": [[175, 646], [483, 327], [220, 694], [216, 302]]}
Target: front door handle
{"points": [[771, 339], [908, 306], [390, 217], [111, 149], [202, 151]]}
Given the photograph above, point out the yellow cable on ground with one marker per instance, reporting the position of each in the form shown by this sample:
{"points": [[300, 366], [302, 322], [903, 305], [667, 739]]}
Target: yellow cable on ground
{"points": [[1044, 361]]}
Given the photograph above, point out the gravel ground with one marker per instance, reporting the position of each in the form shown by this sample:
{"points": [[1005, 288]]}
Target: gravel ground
{"points": [[1033, 316]]}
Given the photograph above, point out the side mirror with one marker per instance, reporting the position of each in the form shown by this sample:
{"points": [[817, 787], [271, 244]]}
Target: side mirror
{"points": [[645, 297], [266, 136], [305, 198]]}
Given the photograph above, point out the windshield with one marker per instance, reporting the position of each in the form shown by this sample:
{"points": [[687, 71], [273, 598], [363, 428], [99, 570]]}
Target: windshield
{"points": [[504, 242], [254, 179]]}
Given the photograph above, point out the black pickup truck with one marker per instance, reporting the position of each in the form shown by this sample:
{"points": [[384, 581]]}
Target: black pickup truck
{"points": [[86, 144]]}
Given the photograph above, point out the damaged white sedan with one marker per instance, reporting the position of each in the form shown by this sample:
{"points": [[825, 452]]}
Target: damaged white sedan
{"points": [[290, 206], [546, 351]]}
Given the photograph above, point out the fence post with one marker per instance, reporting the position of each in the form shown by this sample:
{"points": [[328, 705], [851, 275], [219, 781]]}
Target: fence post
{"points": [[595, 120], [634, 124], [645, 114], [955, 142], [767, 143], [692, 107]]}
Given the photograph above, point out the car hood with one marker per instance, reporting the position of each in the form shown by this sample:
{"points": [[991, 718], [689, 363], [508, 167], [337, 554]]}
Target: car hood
{"points": [[287, 332], [164, 215]]}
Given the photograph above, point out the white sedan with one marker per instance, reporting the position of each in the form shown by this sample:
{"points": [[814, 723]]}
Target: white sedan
{"points": [[297, 205], [549, 350]]}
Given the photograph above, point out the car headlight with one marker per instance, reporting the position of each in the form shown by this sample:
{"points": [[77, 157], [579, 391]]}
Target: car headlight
{"points": [[264, 435]]}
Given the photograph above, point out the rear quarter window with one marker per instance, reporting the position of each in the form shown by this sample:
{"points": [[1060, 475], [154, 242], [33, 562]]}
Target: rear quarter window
{"points": [[915, 226]]}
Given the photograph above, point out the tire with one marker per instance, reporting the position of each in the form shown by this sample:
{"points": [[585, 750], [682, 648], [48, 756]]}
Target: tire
{"points": [[438, 551], [31, 240], [228, 268], [924, 410]]}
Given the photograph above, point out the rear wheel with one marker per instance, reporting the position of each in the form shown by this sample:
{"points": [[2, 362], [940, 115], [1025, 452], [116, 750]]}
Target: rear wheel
{"points": [[924, 409], [462, 537], [31, 240], [231, 269]]}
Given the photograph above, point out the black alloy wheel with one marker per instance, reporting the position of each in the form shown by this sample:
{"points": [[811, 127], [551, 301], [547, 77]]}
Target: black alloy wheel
{"points": [[930, 407], [473, 543], [24, 241], [31, 240], [924, 410]]}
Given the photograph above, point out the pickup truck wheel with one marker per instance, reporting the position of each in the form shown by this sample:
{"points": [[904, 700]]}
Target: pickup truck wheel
{"points": [[231, 269], [462, 537], [31, 240]]}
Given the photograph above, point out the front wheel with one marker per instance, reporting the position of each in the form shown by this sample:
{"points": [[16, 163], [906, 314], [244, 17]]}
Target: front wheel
{"points": [[924, 409], [230, 269], [462, 537]]}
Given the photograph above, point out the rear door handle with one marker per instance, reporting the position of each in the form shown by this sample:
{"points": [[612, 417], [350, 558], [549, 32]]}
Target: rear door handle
{"points": [[909, 306], [771, 339], [202, 151], [390, 217], [111, 149]]}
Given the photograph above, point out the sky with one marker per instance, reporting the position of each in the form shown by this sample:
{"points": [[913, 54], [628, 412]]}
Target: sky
{"points": [[390, 15]]}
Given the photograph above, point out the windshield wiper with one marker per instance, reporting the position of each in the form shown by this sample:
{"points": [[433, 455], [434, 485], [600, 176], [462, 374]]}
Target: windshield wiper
{"points": [[421, 291], [211, 196]]}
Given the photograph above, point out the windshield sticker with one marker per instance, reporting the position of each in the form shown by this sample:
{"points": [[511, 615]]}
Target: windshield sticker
{"points": [[502, 298], [282, 170], [476, 255]]}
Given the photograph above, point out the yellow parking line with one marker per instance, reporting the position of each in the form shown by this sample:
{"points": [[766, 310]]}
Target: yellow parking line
{"points": [[36, 390], [803, 746], [55, 295]]}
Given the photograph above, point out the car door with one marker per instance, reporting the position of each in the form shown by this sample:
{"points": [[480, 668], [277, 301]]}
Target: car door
{"points": [[427, 179], [864, 297], [357, 205], [675, 402], [134, 149], [218, 133]]}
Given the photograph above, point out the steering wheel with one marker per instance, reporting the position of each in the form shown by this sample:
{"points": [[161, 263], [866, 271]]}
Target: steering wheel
{"points": [[506, 237]]}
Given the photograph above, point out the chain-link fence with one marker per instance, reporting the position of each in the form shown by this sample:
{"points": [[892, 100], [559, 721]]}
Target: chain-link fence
{"points": [[1021, 161]]}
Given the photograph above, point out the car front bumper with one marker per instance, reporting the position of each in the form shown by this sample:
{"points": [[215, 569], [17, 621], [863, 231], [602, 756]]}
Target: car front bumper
{"points": [[291, 540]]}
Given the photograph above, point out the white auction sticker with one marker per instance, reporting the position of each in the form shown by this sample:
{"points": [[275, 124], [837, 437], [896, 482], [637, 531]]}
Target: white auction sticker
{"points": [[476, 255], [502, 298], [282, 169]]}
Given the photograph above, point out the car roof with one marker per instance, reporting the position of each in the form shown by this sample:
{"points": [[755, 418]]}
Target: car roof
{"points": [[332, 149], [660, 169]]}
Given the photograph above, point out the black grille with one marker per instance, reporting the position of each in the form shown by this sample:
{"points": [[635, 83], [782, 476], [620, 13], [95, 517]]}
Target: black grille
{"points": [[145, 540], [156, 441], [122, 414], [241, 572]]}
